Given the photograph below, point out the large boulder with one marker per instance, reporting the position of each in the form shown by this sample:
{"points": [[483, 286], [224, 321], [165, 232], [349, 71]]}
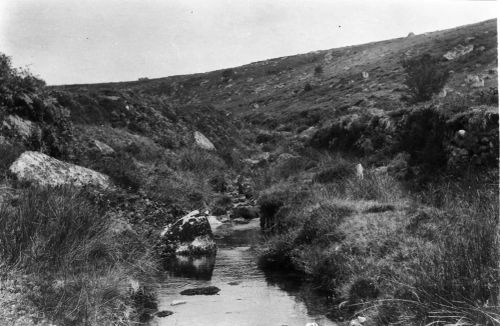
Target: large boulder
{"points": [[202, 141], [41, 169], [190, 235]]}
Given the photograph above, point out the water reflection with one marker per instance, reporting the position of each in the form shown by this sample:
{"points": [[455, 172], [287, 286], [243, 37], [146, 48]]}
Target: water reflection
{"points": [[197, 268], [249, 295]]}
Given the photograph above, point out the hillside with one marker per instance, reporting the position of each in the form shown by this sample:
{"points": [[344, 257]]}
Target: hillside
{"points": [[386, 201]]}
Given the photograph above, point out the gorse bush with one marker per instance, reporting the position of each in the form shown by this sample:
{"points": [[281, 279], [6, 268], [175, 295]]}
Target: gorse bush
{"points": [[14, 81], [424, 77]]}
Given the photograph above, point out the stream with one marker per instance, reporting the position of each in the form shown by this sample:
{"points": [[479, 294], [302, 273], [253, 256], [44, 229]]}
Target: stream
{"points": [[248, 296]]}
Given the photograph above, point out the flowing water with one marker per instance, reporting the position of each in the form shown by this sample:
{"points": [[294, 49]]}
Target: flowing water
{"points": [[249, 295]]}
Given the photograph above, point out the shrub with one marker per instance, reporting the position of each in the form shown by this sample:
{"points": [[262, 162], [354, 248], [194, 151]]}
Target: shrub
{"points": [[199, 161], [308, 87], [264, 137], [318, 70], [218, 183], [341, 170], [422, 135], [10, 153], [227, 74], [424, 77], [120, 167]]}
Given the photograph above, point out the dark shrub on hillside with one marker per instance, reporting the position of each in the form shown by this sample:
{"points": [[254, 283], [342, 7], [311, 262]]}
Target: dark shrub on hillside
{"points": [[424, 77], [421, 135], [363, 289], [222, 205], [9, 153], [120, 167], [338, 137], [227, 74], [14, 81], [308, 87], [264, 137], [269, 205], [218, 183], [318, 70], [340, 171]]}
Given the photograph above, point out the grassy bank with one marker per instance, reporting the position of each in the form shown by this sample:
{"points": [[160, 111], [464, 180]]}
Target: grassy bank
{"points": [[79, 267], [387, 252]]}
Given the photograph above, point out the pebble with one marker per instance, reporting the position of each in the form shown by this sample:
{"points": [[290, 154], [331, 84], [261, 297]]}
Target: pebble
{"points": [[178, 302]]}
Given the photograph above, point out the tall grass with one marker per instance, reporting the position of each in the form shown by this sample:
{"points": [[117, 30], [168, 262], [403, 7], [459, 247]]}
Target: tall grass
{"points": [[65, 243], [461, 279]]}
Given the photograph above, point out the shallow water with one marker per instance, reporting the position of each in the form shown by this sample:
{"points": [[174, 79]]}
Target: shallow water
{"points": [[248, 296]]}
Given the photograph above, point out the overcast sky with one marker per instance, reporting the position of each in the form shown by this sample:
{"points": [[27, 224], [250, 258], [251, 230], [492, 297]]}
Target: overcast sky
{"points": [[84, 41]]}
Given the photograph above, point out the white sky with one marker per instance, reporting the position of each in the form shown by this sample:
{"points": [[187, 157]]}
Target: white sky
{"points": [[84, 41]]}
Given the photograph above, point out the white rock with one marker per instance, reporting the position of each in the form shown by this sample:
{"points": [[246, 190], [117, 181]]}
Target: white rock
{"points": [[47, 171], [361, 319], [178, 302], [365, 75], [359, 171], [19, 127], [103, 148], [202, 141], [461, 132], [458, 51]]}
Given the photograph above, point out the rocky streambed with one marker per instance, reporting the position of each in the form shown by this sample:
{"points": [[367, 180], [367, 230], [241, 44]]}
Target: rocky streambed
{"points": [[249, 295]]}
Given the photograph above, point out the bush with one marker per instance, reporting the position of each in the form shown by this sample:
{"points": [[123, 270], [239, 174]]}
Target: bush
{"points": [[341, 170], [422, 135], [199, 161], [10, 153], [308, 87], [318, 70], [120, 167], [227, 74], [424, 77], [218, 183]]}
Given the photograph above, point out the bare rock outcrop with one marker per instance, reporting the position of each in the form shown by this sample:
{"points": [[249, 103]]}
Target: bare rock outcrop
{"points": [[458, 51], [41, 169], [202, 141]]}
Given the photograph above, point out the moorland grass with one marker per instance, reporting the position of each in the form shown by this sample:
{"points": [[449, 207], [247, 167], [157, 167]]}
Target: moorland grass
{"points": [[63, 241]]}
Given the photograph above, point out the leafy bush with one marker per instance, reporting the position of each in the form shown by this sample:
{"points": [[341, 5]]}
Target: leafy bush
{"points": [[14, 81], [424, 77], [318, 70]]}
